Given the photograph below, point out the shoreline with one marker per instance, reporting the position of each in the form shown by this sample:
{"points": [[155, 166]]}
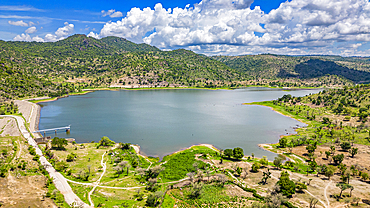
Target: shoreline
{"points": [[137, 146], [88, 90]]}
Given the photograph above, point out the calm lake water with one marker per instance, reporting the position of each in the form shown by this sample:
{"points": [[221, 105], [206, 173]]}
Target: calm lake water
{"points": [[164, 121]]}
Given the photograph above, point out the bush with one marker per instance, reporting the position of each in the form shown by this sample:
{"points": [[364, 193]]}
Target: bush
{"points": [[238, 153], [345, 146], [106, 142], [71, 157], [338, 159], [287, 187], [256, 166], [264, 161]]}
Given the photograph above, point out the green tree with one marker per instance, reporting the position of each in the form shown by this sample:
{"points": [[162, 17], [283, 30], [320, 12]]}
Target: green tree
{"points": [[345, 146], [256, 166], [228, 153], [283, 142], [353, 151], [364, 176], [343, 187], [287, 186], [238, 153], [71, 157], [106, 142], [59, 143], [266, 175], [264, 161], [278, 161], [338, 159], [300, 186], [329, 171], [61, 166]]}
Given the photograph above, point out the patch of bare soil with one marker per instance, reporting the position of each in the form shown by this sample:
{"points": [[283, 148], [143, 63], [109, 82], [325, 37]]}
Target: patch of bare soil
{"points": [[361, 159], [24, 191], [233, 190], [8, 127]]}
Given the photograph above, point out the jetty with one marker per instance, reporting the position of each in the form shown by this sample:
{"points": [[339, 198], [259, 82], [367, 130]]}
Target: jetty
{"points": [[67, 128]]}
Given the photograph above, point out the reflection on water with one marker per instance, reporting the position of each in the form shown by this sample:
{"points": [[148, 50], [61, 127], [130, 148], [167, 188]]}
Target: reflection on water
{"points": [[164, 121]]}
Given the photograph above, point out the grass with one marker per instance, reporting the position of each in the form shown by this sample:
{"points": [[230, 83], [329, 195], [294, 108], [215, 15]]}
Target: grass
{"points": [[81, 191], [212, 195], [111, 197], [179, 164], [88, 156]]}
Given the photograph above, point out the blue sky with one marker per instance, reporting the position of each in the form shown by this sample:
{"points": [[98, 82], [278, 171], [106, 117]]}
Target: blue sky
{"points": [[212, 27]]}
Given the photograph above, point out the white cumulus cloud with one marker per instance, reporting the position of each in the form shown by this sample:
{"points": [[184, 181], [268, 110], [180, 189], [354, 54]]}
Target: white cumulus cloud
{"points": [[18, 23], [31, 30], [112, 13], [60, 34], [27, 37], [296, 26]]}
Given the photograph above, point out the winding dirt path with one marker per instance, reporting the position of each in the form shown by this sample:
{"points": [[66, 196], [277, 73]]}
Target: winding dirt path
{"points": [[326, 197], [96, 184]]}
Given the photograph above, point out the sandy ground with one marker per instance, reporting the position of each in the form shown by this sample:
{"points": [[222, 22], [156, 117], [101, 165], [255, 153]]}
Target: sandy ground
{"points": [[24, 192], [8, 127], [31, 112], [362, 158]]}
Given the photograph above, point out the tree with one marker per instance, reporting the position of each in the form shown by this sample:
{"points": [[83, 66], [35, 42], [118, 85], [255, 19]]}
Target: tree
{"points": [[313, 202], [278, 161], [345, 146], [154, 198], [228, 152], [327, 154], [287, 186], [61, 166], [338, 159], [266, 175], [238, 153], [124, 146], [313, 165], [283, 142], [300, 186], [256, 166], [353, 151], [274, 199], [343, 187], [196, 190], [332, 149], [71, 157], [364, 176], [59, 143], [106, 142], [330, 170], [264, 161]]}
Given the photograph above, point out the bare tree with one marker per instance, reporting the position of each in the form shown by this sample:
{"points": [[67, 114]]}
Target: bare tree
{"points": [[191, 176], [313, 201]]}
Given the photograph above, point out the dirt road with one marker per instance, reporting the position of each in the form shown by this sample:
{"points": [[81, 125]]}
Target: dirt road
{"points": [[60, 182]]}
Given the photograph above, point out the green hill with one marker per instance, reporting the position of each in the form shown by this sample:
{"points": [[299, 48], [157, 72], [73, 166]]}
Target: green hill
{"points": [[269, 66], [85, 62]]}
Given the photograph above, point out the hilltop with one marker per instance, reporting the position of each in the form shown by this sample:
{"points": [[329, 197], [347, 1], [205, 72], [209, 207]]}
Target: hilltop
{"points": [[328, 70], [79, 62]]}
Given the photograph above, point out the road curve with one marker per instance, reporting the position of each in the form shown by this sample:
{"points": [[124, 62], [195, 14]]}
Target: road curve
{"points": [[58, 179]]}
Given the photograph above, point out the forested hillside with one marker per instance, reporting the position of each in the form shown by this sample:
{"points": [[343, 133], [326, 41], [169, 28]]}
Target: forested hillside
{"points": [[277, 67], [50, 69], [113, 61]]}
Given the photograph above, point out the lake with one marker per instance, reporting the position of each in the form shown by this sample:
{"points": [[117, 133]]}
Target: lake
{"points": [[164, 121]]}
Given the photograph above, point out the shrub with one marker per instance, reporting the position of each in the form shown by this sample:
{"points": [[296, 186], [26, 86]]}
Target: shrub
{"points": [[338, 159], [345, 146], [256, 166], [287, 187]]}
